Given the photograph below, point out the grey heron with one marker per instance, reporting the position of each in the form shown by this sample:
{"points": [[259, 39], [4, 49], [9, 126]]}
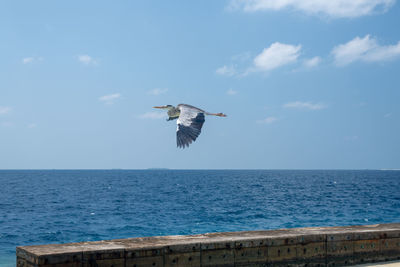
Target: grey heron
{"points": [[190, 120]]}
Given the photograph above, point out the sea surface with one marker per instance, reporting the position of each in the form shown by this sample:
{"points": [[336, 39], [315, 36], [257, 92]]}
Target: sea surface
{"points": [[61, 206]]}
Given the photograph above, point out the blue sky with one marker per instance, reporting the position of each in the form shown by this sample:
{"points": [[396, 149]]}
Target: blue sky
{"points": [[309, 84]]}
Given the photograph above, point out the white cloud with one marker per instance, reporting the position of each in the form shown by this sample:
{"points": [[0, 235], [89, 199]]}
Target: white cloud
{"points": [[332, 8], [4, 110], [267, 120], [109, 99], [226, 70], [153, 115], [312, 62], [304, 105], [354, 50], [276, 55], [158, 91], [364, 49], [28, 60], [272, 57], [383, 53], [87, 60], [231, 92]]}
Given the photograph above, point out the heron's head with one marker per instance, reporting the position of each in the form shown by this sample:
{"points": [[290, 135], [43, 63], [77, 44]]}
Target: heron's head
{"points": [[165, 107]]}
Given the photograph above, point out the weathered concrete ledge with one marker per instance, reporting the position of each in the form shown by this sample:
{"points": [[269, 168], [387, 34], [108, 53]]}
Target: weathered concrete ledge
{"points": [[316, 246]]}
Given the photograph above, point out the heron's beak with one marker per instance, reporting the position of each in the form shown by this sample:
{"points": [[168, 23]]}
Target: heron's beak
{"points": [[160, 107]]}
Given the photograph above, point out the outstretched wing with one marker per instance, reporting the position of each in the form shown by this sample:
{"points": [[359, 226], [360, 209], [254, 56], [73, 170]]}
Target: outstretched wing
{"points": [[190, 121]]}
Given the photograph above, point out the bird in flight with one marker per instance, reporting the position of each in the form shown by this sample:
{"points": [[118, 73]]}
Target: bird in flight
{"points": [[190, 120]]}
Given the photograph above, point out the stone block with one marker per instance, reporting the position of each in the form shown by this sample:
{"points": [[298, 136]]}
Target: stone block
{"points": [[390, 233], [102, 263], [140, 253], [247, 255], [285, 240], [281, 264], [156, 261], [217, 245], [340, 248], [332, 237], [26, 256], [282, 254], [390, 249], [366, 251], [219, 257], [368, 235], [106, 258], [339, 253], [311, 254], [23, 263], [64, 258], [189, 259], [250, 243], [182, 248], [311, 251], [312, 238], [65, 265]]}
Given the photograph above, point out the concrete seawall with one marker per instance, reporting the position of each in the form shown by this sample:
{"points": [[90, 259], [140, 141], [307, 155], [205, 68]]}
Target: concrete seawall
{"points": [[316, 246]]}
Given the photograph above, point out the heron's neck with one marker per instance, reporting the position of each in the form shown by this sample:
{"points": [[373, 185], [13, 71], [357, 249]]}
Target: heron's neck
{"points": [[173, 112]]}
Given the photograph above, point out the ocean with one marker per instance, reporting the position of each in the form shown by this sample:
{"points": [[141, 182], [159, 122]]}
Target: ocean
{"points": [[61, 206]]}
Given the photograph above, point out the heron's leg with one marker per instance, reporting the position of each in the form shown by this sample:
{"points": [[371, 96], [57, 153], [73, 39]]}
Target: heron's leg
{"points": [[217, 114]]}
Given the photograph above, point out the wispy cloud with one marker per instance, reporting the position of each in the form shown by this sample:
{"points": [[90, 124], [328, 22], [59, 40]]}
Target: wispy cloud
{"points": [[275, 56], [158, 91], [31, 125], [387, 115], [236, 61], [29, 60], [332, 8], [7, 124], [231, 92], [4, 110], [267, 120], [304, 105], [242, 56], [312, 62], [87, 60], [109, 99], [364, 49], [351, 138], [226, 70], [361, 104], [153, 115]]}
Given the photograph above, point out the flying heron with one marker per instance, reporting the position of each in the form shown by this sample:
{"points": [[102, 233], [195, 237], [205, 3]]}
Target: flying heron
{"points": [[190, 120]]}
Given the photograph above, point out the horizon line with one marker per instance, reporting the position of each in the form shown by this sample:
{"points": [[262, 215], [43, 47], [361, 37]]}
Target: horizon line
{"points": [[201, 169]]}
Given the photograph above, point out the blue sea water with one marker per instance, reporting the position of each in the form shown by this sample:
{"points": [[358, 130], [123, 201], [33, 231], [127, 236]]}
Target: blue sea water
{"points": [[60, 206]]}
